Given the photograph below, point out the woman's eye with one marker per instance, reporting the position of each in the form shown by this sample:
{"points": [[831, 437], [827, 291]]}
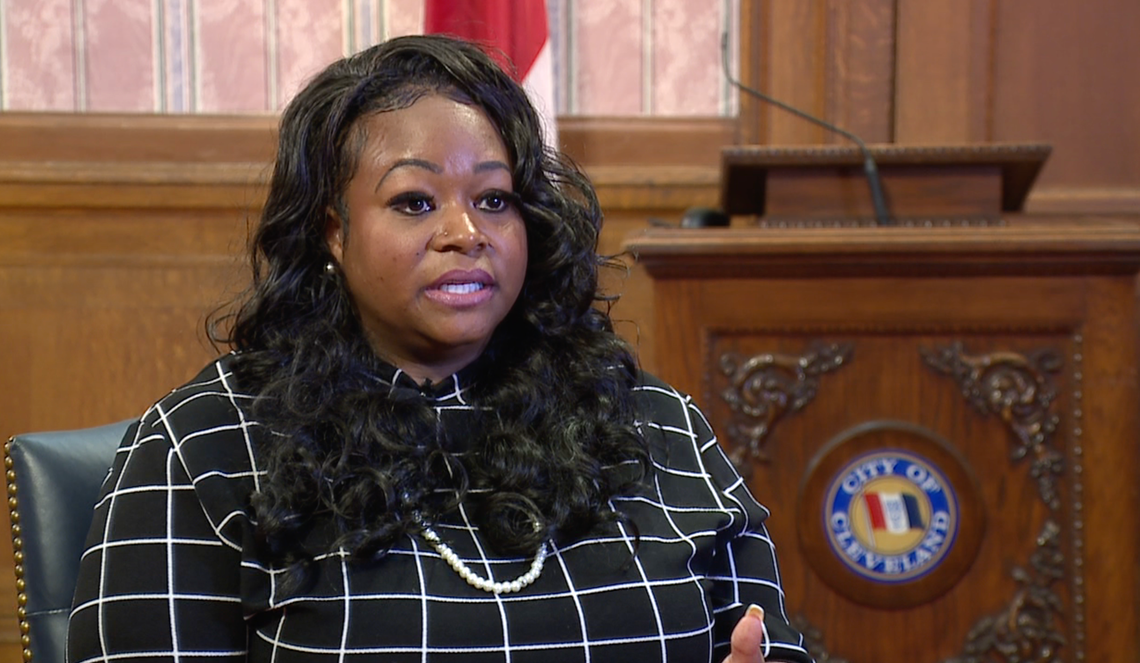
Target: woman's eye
{"points": [[495, 201], [411, 203]]}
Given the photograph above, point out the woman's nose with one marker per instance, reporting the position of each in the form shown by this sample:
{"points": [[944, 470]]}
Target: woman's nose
{"points": [[458, 231]]}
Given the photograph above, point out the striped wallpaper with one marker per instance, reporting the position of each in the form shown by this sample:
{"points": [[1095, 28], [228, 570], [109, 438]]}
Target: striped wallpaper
{"points": [[612, 57]]}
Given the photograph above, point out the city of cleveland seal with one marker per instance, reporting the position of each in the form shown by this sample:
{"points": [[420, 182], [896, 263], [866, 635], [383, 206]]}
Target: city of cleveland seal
{"points": [[891, 515]]}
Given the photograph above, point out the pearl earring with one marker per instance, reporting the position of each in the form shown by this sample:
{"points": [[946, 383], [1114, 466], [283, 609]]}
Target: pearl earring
{"points": [[330, 267]]}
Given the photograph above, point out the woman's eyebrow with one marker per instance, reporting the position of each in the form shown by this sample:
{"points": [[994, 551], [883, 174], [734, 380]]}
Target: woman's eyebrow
{"points": [[491, 165], [410, 163]]}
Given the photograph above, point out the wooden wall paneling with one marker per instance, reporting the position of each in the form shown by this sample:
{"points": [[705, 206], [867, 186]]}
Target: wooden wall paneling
{"points": [[944, 78], [795, 53], [782, 54], [834, 59], [98, 341], [751, 125], [861, 68], [922, 72], [1066, 75]]}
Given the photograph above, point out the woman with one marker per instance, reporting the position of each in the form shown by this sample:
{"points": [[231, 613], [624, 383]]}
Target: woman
{"points": [[428, 444]]}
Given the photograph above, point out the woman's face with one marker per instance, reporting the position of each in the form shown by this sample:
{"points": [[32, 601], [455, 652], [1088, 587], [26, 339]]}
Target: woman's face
{"points": [[435, 250]]}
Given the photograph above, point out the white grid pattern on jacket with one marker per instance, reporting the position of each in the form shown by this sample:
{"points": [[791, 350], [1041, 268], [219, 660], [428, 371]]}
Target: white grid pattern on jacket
{"points": [[172, 570]]}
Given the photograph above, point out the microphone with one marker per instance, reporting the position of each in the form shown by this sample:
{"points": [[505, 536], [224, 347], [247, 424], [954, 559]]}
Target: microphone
{"points": [[882, 217]]}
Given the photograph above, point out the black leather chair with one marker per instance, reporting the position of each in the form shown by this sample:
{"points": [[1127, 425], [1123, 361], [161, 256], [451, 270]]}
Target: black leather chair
{"points": [[53, 482]]}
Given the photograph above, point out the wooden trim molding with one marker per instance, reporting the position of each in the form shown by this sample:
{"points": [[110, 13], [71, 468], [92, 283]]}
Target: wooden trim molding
{"points": [[104, 137], [114, 137], [1084, 200], [196, 162], [655, 189], [617, 141], [132, 185]]}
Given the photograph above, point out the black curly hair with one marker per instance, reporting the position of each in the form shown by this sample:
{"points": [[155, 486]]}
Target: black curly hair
{"points": [[559, 381]]}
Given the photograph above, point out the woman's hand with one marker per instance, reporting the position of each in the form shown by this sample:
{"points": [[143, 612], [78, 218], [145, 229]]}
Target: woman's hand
{"points": [[748, 637]]}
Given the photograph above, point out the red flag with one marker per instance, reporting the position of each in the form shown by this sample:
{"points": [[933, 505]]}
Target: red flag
{"points": [[514, 29]]}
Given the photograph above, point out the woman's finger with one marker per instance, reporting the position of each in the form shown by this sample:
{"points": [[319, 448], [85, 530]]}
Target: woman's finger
{"points": [[748, 637]]}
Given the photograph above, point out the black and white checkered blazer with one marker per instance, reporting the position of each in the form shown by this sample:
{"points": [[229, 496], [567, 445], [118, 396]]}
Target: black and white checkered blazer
{"points": [[172, 573]]}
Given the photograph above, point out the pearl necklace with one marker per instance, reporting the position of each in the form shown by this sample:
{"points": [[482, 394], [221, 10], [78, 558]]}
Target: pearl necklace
{"points": [[474, 579]]}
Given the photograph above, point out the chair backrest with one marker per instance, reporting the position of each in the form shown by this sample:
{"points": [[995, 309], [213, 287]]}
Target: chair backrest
{"points": [[53, 482]]}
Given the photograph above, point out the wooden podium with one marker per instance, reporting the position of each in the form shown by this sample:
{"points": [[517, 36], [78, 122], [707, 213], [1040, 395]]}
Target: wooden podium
{"points": [[941, 416]]}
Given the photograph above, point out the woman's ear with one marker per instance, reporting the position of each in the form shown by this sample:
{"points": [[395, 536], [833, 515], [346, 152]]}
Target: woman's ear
{"points": [[334, 233]]}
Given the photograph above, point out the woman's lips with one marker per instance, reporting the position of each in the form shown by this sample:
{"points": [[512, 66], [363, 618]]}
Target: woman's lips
{"points": [[462, 288]]}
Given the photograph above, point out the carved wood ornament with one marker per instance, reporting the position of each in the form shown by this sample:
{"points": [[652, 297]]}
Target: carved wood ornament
{"points": [[1018, 389], [762, 389]]}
